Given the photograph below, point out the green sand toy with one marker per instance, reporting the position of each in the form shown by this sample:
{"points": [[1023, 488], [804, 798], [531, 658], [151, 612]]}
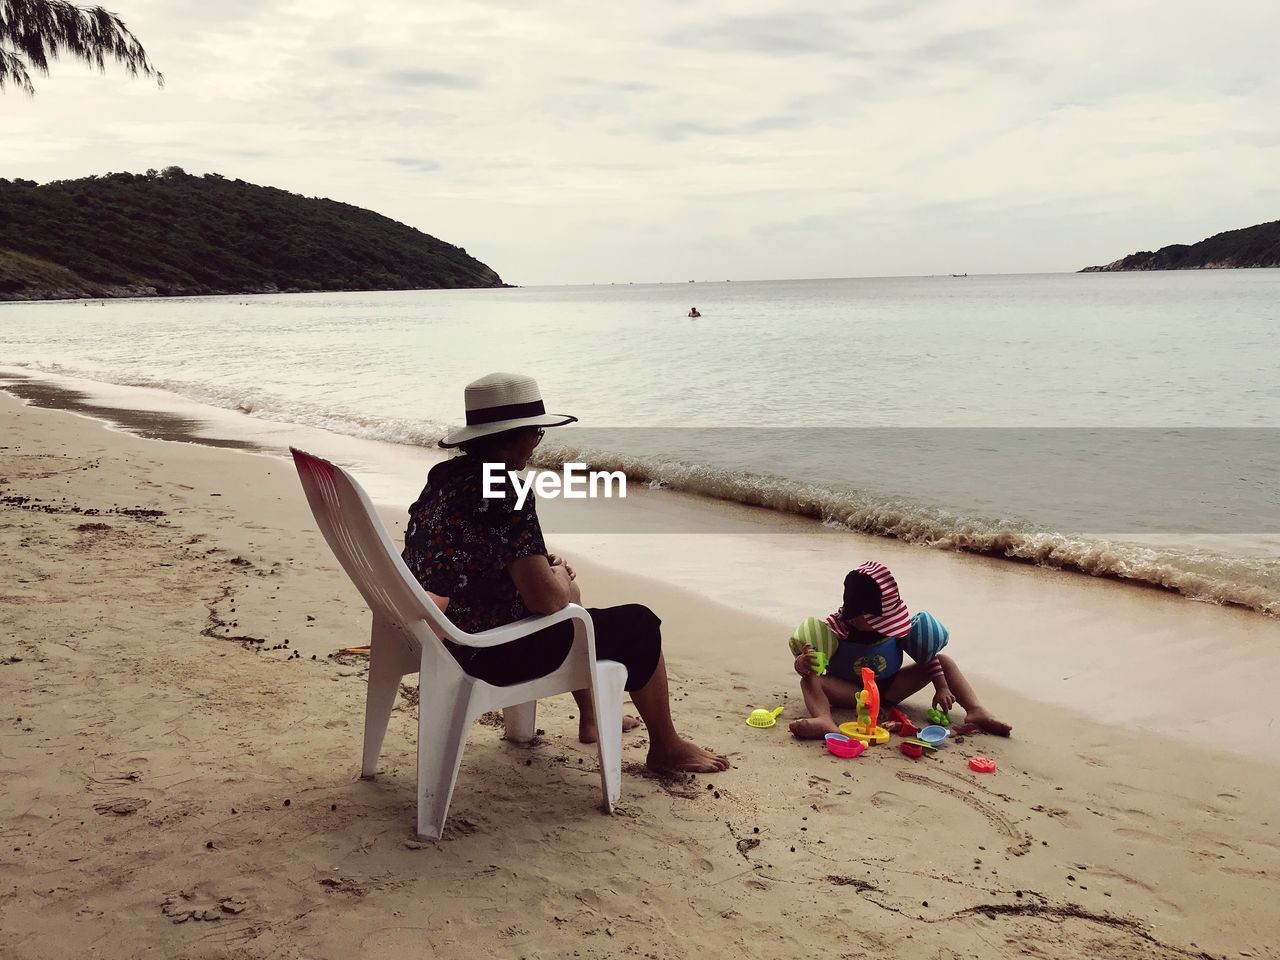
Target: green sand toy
{"points": [[941, 717], [816, 634]]}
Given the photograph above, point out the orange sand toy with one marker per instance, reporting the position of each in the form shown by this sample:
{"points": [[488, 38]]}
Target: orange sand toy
{"points": [[864, 728]]}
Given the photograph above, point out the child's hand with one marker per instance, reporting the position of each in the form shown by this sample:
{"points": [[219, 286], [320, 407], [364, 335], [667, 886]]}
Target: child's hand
{"points": [[943, 698], [804, 662]]}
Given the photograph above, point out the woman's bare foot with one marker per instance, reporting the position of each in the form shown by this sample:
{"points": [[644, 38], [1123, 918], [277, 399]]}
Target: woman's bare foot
{"points": [[984, 721], [814, 728], [685, 757], [587, 732]]}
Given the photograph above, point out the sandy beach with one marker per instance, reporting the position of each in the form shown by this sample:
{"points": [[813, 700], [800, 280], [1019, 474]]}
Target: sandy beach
{"points": [[179, 748]]}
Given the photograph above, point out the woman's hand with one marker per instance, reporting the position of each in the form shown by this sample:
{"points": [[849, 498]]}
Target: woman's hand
{"points": [[557, 561], [544, 588], [943, 698]]}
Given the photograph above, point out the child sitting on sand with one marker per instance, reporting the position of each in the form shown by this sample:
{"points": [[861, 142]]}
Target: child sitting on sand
{"points": [[872, 629]]}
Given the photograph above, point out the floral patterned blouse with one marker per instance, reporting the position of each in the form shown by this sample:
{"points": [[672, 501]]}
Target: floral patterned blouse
{"points": [[459, 544]]}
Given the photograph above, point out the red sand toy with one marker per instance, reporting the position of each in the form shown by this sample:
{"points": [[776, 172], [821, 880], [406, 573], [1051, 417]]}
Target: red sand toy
{"points": [[905, 727], [982, 765], [912, 750]]}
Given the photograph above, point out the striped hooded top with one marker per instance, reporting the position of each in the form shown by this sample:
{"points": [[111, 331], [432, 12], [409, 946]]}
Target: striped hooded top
{"points": [[894, 620]]}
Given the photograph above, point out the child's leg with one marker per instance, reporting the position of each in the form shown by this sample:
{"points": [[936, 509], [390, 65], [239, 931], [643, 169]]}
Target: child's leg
{"points": [[819, 693], [904, 683], [975, 712]]}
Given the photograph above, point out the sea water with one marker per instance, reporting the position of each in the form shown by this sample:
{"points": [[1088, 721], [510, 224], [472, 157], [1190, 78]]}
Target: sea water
{"points": [[1123, 425]]}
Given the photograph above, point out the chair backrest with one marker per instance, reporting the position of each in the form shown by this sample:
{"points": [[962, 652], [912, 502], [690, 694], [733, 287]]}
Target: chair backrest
{"points": [[358, 539]]}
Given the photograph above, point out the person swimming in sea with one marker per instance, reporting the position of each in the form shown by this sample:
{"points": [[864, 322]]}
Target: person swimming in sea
{"points": [[693, 312]]}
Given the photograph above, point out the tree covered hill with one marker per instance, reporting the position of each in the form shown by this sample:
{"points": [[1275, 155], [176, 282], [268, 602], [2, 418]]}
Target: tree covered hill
{"points": [[1257, 246], [170, 233]]}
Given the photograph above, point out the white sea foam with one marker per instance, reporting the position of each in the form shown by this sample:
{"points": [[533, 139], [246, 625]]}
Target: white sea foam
{"points": [[1252, 582]]}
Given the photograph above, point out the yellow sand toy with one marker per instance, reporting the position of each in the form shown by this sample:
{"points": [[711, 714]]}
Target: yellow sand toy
{"points": [[864, 728], [763, 718]]}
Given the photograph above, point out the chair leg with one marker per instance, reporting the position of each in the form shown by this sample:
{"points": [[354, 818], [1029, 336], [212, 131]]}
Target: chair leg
{"points": [[444, 720], [521, 721], [385, 673], [611, 678]]}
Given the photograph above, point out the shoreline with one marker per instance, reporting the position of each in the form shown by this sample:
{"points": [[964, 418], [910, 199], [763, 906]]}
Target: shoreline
{"points": [[170, 792], [1236, 570], [131, 293]]}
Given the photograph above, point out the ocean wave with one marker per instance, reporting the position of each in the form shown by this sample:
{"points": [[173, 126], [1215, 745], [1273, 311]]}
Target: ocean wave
{"points": [[1199, 574]]}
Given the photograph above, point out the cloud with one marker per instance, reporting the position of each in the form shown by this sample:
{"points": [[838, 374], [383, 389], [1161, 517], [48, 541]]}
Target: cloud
{"points": [[430, 78], [791, 34], [966, 45], [420, 165], [748, 139]]}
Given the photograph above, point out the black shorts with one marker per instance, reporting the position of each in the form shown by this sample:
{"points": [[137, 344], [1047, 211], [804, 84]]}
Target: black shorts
{"points": [[631, 634]]}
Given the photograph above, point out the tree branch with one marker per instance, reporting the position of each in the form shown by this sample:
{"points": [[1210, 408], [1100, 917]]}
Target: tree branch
{"points": [[41, 30]]}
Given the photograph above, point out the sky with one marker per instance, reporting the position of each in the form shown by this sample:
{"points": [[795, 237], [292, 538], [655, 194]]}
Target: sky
{"points": [[573, 142]]}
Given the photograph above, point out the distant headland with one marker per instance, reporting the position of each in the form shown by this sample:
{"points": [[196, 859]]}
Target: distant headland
{"points": [[169, 233], [1257, 246]]}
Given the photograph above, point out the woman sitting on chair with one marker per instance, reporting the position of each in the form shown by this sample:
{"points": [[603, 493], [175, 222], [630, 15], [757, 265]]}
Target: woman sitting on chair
{"points": [[490, 560]]}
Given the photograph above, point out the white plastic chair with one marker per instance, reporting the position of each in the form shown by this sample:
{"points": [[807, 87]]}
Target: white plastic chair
{"points": [[406, 628]]}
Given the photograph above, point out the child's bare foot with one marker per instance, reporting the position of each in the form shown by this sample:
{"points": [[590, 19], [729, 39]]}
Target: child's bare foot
{"points": [[685, 757], [587, 732], [814, 728], [984, 721]]}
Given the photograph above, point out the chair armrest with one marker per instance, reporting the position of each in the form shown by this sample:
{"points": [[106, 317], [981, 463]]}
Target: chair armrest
{"points": [[518, 629]]}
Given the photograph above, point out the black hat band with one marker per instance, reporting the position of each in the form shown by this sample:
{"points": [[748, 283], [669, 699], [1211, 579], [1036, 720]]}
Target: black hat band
{"points": [[506, 411]]}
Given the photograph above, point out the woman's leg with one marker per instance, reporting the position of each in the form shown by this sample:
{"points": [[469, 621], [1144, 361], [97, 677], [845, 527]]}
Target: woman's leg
{"points": [[631, 634], [587, 732], [668, 750]]}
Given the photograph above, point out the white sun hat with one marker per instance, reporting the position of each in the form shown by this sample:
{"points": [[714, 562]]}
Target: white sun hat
{"points": [[503, 401]]}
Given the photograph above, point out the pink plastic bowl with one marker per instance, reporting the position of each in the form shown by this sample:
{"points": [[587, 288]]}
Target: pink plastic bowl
{"points": [[843, 746]]}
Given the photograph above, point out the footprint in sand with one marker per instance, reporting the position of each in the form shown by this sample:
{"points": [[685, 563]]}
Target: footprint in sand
{"points": [[884, 798], [187, 905], [1149, 889], [1050, 811], [121, 807], [117, 802], [1134, 833], [347, 885], [1018, 843]]}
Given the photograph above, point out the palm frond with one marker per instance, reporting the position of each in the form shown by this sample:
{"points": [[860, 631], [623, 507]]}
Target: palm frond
{"points": [[40, 30], [14, 71]]}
